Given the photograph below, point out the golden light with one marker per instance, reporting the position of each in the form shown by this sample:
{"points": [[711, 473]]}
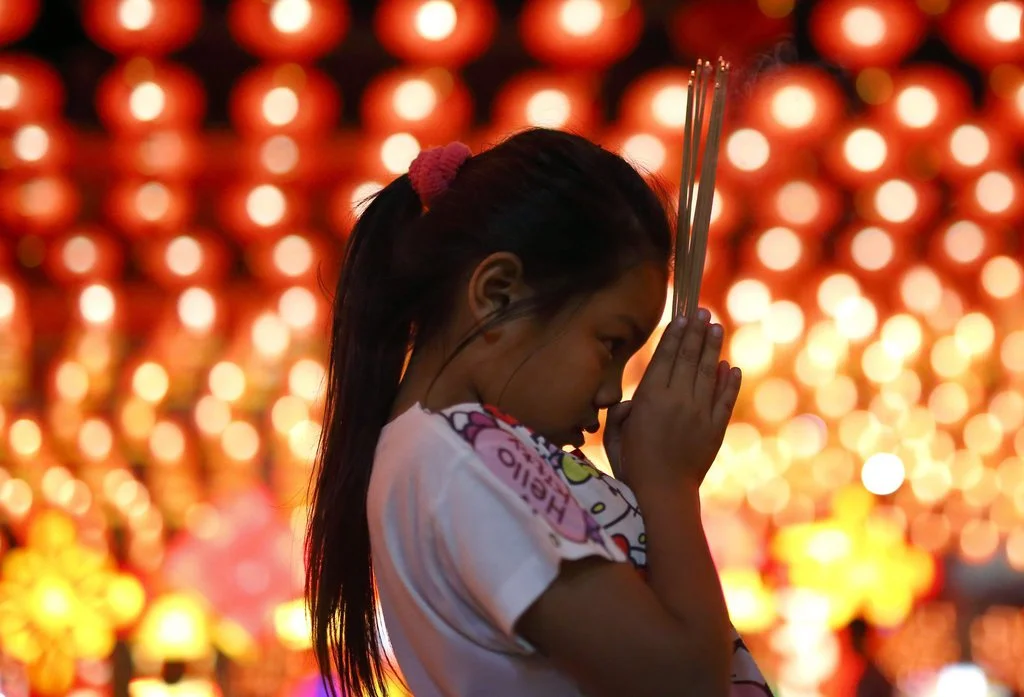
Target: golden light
{"points": [[266, 205], [183, 255], [197, 309], [290, 16], [865, 149], [297, 307], [270, 335], [72, 381], [16, 497], [872, 249], [414, 100], [669, 106], [963, 241], [212, 415], [975, 334], [969, 145], [167, 442], [436, 20], [227, 381], [856, 318], [1012, 352], [53, 480], [1003, 21], [95, 440], [174, 628], [96, 304], [983, 434], [306, 378], [883, 474], [10, 91], [548, 108], [748, 300], [750, 350], [901, 336], [292, 625], [948, 403], [834, 290], [303, 439], [280, 106], [1002, 277], [30, 143], [994, 192], [896, 201], [805, 435], [779, 248], [151, 382], [979, 540], [947, 359], [775, 400], [783, 323], [288, 411], [137, 418], [147, 101], [293, 255], [79, 254], [398, 151], [135, 15], [747, 149], [794, 106], [917, 107], [921, 290], [279, 154], [8, 301], [152, 201], [798, 203], [240, 441], [362, 195], [581, 17], [645, 151], [1008, 408], [863, 26]]}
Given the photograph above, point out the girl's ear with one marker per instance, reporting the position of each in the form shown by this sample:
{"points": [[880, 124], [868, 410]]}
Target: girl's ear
{"points": [[495, 284]]}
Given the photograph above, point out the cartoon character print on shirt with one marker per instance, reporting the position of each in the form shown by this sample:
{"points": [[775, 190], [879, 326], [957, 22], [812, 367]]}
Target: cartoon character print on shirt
{"points": [[526, 472]]}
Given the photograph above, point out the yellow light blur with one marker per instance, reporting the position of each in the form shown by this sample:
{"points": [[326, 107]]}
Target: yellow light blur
{"points": [[581, 17], [750, 350], [865, 149], [290, 16], [135, 15], [921, 290], [183, 256], [30, 143], [8, 302], [983, 434], [969, 145], [10, 91], [798, 203], [436, 20], [95, 439], [270, 335], [414, 100], [775, 400], [303, 439], [836, 398], [549, 108], [212, 415], [747, 149], [834, 289], [948, 402], [147, 101], [280, 106], [901, 336], [167, 442], [362, 195], [917, 106], [879, 366], [292, 625], [150, 382], [288, 411], [1008, 407], [227, 381], [783, 323], [196, 309], [279, 154], [748, 300], [856, 318], [947, 360], [306, 378], [896, 201], [96, 304], [794, 106], [645, 151], [975, 334], [398, 151], [79, 254], [25, 437], [137, 418], [266, 205], [174, 628], [863, 26], [751, 604], [1003, 21], [963, 241], [72, 381], [779, 248], [240, 441], [16, 497], [805, 435], [883, 474], [297, 307], [859, 431], [979, 540], [1002, 277], [1012, 352], [995, 192]]}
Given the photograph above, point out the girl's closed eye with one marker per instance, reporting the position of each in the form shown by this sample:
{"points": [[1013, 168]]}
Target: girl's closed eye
{"points": [[614, 346]]}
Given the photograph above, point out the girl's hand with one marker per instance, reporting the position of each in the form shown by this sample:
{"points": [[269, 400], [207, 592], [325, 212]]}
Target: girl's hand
{"points": [[678, 416], [613, 424]]}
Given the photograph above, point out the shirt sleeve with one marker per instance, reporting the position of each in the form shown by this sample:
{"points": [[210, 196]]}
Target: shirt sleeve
{"points": [[505, 522]]}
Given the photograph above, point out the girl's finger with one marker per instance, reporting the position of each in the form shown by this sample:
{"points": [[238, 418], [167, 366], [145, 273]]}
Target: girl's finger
{"points": [[659, 370], [707, 368], [722, 410]]}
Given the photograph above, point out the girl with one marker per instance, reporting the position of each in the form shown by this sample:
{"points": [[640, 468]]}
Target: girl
{"points": [[484, 316]]}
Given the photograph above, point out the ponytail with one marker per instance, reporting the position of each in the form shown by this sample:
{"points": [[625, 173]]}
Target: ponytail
{"points": [[370, 337]]}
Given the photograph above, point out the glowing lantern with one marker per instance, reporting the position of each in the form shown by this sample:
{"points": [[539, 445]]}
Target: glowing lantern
{"points": [[38, 204], [143, 207], [186, 259], [580, 33], [650, 153], [282, 158], [432, 104], [435, 32], [88, 253], [141, 95], [290, 259], [997, 195], [900, 204], [383, 157], [962, 247], [284, 99], [780, 253], [549, 100], [142, 27], [985, 32], [807, 206], [171, 154], [872, 251], [798, 104], [30, 90], [348, 200], [299, 30], [863, 33], [657, 102], [747, 154], [174, 628], [38, 147], [189, 687], [973, 147], [16, 18], [260, 210], [863, 152], [926, 101]]}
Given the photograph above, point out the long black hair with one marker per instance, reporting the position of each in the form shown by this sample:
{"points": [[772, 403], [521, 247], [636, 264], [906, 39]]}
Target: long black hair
{"points": [[576, 215]]}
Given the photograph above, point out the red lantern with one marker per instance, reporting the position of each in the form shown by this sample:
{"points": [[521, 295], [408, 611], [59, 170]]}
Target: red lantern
{"points": [[84, 254], [300, 30], [995, 195], [385, 157], [260, 210], [284, 99], [437, 32], [657, 101], [149, 207], [170, 155], [37, 147], [800, 105], [985, 32], [196, 257], [140, 96], [432, 104], [809, 207], [872, 252], [862, 152], [973, 147], [861, 33], [30, 90], [901, 205], [1007, 102], [550, 100], [962, 246], [650, 153], [926, 101], [142, 27], [780, 255], [38, 204], [16, 18], [580, 33], [283, 159], [290, 259]]}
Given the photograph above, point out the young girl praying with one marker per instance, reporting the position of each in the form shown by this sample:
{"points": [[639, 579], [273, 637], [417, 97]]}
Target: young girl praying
{"points": [[483, 319]]}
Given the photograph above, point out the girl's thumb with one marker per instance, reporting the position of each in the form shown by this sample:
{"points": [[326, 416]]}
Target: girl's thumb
{"points": [[619, 412]]}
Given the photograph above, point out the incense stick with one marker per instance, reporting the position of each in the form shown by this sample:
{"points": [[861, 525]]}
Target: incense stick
{"points": [[694, 221]]}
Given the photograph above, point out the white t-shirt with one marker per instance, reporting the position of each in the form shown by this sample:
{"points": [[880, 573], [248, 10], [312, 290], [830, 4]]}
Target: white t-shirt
{"points": [[471, 515]]}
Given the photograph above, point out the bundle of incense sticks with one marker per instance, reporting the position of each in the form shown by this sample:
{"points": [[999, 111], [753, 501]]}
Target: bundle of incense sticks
{"points": [[701, 137]]}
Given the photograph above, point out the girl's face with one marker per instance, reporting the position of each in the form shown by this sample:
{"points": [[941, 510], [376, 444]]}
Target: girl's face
{"points": [[556, 376]]}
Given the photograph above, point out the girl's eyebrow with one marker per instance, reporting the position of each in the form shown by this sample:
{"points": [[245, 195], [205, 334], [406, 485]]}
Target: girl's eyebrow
{"points": [[639, 334]]}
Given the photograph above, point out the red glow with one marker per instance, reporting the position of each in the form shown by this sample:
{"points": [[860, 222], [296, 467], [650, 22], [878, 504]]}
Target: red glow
{"points": [[996, 194], [800, 104], [145, 207], [161, 154], [657, 101], [283, 158], [284, 99], [260, 210], [807, 206], [30, 90], [901, 205], [926, 101], [141, 95], [142, 27], [432, 104], [180, 260], [37, 147], [38, 204], [867, 33], [87, 253], [973, 147], [872, 251], [983, 38], [862, 152], [734, 29], [282, 261], [300, 30], [580, 33], [435, 32], [961, 246], [536, 98], [16, 18]]}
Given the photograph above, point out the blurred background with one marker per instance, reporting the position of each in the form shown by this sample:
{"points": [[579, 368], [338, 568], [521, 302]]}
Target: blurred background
{"points": [[177, 179]]}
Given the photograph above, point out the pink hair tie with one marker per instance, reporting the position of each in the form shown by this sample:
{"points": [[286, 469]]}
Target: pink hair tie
{"points": [[433, 170]]}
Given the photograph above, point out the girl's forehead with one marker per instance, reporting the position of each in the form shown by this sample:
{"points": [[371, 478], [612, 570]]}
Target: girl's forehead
{"points": [[639, 293]]}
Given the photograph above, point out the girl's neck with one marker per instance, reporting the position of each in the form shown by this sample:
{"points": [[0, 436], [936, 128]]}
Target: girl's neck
{"points": [[428, 382]]}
